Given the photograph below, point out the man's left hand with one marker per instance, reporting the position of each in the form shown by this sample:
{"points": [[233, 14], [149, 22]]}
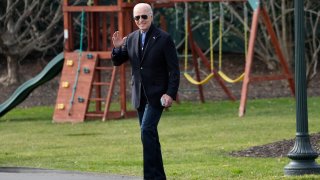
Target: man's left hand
{"points": [[167, 100]]}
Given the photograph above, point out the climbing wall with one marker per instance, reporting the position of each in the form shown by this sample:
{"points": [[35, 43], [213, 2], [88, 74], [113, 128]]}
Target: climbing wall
{"points": [[75, 86]]}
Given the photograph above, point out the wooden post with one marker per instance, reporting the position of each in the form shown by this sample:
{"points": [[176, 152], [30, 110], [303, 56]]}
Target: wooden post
{"points": [[246, 79], [195, 62], [278, 51], [123, 98]]}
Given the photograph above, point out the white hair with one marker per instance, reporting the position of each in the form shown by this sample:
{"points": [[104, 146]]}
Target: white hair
{"points": [[144, 6]]}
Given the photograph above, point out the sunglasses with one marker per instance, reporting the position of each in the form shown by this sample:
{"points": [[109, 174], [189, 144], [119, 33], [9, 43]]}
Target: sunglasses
{"points": [[136, 18]]}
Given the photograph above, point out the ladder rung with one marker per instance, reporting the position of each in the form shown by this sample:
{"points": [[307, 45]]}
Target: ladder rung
{"points": [[94, 114], [104, 68], [97, 99], [101, 83]]}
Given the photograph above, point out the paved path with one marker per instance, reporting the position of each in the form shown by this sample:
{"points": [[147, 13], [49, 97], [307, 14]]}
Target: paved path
{"points": [[18, 173]]}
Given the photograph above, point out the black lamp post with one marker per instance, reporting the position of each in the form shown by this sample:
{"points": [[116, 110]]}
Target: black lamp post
{"points": [[302, 155]]}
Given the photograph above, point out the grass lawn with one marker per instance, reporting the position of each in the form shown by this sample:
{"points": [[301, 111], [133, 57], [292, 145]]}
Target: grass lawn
{"points": [[196, 140]]}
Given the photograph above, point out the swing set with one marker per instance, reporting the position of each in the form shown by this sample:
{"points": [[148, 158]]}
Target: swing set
{"points": [[218, 74]]}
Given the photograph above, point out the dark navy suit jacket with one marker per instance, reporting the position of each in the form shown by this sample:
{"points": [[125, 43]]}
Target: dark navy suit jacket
{"points": [[155, 70]]}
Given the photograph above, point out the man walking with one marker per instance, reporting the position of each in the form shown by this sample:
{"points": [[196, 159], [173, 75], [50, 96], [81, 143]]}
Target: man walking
{"points": [[155, 81]]}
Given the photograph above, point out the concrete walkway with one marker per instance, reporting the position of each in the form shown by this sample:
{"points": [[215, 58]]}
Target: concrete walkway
{"points": [[21, 173]]}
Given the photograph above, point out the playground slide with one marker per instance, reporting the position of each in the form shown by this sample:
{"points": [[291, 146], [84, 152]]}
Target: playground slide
{"points": [[52, 69]]}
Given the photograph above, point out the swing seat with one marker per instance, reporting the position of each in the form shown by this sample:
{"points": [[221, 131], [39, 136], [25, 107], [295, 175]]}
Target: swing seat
{"points": [[195, 82], [229, 80]]}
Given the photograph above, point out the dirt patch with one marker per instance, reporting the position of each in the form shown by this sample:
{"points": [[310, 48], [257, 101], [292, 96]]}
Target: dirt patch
{"points": [[232, 66], [275, 149]]}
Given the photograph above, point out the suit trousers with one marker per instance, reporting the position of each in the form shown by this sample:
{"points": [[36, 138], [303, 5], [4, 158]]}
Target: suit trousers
{"points": [[149, 118]]}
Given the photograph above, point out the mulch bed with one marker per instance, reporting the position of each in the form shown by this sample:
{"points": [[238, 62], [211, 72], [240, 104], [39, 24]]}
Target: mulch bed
{"points": [[276, 149]]}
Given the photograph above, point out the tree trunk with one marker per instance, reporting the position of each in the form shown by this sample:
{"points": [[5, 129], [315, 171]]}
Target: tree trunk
{"points": [[12, 76]]}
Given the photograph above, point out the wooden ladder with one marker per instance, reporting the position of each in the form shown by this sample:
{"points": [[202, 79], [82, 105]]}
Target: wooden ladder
{"points": [[98, 84], [78, 79]]}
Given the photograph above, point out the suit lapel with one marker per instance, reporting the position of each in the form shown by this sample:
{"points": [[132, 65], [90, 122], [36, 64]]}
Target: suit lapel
{"points": [[136, 42]]}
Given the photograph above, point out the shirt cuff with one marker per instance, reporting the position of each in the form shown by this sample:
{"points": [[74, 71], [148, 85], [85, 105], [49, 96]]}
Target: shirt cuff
{"points": [[116, 50]]}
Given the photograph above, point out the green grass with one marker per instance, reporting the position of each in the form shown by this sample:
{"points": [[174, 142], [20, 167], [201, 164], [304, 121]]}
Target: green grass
{"points": [[196, 140]]}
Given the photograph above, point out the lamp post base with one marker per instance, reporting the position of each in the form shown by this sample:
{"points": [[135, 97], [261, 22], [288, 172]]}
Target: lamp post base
{"points": [[301, 167]]}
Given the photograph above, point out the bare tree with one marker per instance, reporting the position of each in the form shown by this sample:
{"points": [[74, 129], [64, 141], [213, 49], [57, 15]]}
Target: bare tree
{"points": [[27, 26], [282, 17], [312, 14]]}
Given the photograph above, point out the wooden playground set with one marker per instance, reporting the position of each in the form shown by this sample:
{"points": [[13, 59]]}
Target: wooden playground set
{"points": [[88, 78]]}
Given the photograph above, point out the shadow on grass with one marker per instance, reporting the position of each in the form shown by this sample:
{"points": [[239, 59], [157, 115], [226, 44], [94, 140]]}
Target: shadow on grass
{"points": [[83, 134], [24, 119]]}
